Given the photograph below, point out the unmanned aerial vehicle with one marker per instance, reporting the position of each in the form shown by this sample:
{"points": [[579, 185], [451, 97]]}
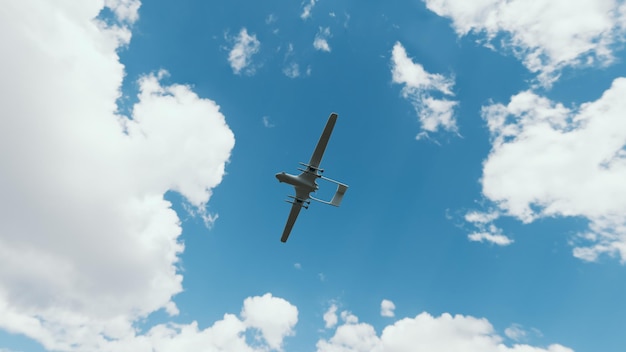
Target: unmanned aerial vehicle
{"points": [[305, 182]]}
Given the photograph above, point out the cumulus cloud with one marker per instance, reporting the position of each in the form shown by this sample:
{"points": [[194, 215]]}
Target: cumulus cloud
{"points": [[88, 244], [548, 160], [419, 87], [330, 317], [321, 39], [273, 316], [349, 318], [545, 35], [306, 10], [386, 308], [425, 333], [240, 56], [125, 10]]}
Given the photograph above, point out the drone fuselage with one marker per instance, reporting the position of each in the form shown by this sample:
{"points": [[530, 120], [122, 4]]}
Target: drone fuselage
{"points": [[304, 183]]}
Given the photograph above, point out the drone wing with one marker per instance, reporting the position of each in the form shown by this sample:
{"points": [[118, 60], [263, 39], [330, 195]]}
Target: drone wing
{"points": [[316, 158], [298, 203]]}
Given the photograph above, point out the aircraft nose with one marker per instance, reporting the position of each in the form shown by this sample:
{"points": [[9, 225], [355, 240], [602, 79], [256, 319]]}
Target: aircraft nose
{"points": [[281, 176]]}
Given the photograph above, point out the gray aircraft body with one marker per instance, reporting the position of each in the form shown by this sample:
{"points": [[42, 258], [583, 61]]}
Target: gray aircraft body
{"points": [[305, 183]]}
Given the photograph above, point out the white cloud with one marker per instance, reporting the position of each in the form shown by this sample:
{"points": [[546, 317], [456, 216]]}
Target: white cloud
{"points": [[330, 317], [125, 10], [292, 70], [425, 333], [271, 18], [297, 266], [386, 308], [88, 244], [349, 318], [477, 217], [491, 237], [546, 35], [516, 332], [306, 10], [321, 39], [419, 85], [486, 230], [551, 161], [267, 123], [273, 316], [240, 56]]}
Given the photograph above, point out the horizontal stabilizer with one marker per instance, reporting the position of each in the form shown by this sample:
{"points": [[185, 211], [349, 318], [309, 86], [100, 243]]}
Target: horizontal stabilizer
{"points": [[341, 190]]}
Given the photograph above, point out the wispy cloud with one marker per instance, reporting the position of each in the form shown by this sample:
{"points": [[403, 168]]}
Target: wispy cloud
{"points": [[486, 230], [516, 332], [491, 237], [292, 70], [321, 39], [347, 21], [244, 47], [306, 10], [419, 87], [271, 18], [268, 124]]}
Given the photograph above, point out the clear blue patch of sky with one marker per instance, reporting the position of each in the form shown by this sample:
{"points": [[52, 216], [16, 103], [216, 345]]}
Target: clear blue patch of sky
{"points": [[18, 343]]}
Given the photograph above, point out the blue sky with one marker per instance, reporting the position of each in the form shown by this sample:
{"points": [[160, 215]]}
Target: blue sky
{"points": [[484, 143]]}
